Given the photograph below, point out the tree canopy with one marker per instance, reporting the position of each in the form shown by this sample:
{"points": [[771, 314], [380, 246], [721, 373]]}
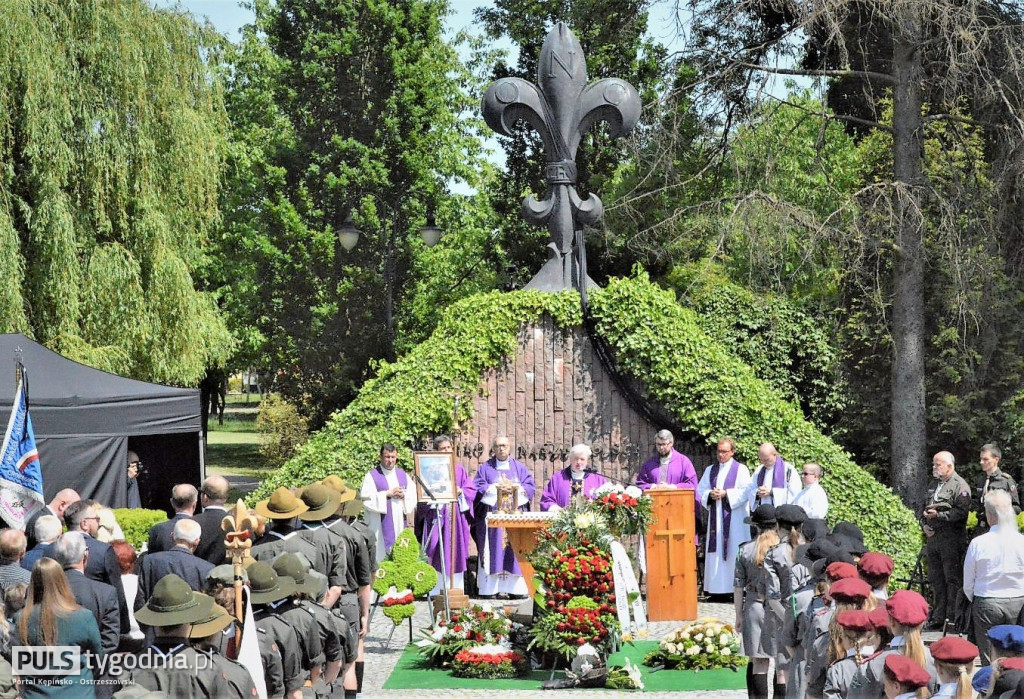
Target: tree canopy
{"points": [[112, 130]]}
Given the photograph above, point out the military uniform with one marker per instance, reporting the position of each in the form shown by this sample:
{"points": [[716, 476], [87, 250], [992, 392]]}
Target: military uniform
{"points": [[947, 544], [277, 635], [816, 647], [759, 633], [191, 678], [359, 574], [232, 679], [304, 624], [997, 481], [315, 545], [875, 669], [332, 643]]}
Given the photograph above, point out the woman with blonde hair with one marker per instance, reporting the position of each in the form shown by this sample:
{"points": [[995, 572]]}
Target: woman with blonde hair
{"points": [[52, 618], [954, 663], [908, 612], [846, 675], [751, 591]]}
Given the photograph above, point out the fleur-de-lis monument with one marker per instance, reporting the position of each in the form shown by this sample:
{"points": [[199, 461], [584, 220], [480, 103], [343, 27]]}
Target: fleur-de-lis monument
{"points": [[561, 107]]}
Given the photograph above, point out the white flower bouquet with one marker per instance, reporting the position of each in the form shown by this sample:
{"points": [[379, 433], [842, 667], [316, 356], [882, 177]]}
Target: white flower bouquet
{"points": [[704, 644]]}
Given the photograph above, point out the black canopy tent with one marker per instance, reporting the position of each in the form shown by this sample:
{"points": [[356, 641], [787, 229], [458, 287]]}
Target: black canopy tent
{"points": [[85, 421]]}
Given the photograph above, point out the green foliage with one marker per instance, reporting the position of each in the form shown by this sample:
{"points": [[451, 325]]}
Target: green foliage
{"points": [[113, 133], [580, 602], [701, 381], [788, 348], [404, 569], [348, 108], [136, 524], [282, 429]]}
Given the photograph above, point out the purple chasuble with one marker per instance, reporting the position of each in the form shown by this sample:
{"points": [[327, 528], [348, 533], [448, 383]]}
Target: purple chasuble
{"points": [[387, 522], [502, 560], [558, 491], [427, 532], [680, 472], [777, 476], [730, 482]]}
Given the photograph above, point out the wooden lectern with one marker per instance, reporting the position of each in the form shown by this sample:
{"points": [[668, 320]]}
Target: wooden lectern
{"points": [[522, 528], [672, 557]]}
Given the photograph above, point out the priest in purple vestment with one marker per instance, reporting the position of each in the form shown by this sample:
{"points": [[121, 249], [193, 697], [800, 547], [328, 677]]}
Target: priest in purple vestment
{"points": [[573, 480], [498, 571], [668, 469], [432, 521]]}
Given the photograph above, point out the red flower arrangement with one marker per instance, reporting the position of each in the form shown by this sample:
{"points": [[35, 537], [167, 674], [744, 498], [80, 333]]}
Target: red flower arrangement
{"points": [[488, 662], [404, 599]]}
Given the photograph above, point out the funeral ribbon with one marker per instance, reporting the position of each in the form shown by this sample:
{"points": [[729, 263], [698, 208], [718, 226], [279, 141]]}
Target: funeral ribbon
{"points": [[626, 588]]}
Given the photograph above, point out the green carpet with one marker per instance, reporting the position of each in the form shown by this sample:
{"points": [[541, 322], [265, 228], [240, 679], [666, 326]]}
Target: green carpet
{"points": [[410, 673]]}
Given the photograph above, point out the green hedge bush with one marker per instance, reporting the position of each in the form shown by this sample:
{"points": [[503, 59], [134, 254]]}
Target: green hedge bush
{"points": [[136, 524], [705, 386]]}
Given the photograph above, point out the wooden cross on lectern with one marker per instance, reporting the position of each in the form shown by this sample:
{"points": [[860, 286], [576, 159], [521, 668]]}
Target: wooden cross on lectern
{"points": [[672, 557], [669, 536]]}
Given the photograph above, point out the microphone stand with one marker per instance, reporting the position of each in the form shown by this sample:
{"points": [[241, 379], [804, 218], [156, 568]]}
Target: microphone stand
{"points": [[436, 507]]}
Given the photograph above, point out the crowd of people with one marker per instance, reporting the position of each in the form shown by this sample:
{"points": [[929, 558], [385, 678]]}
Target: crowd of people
{"points": [[812, 605]]}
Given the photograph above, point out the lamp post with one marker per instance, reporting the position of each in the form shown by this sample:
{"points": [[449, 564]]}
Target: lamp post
{"points": [[348, 237]]}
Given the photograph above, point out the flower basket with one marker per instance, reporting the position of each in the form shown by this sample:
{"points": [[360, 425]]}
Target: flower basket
{"points": [[489, 663], [704, 644], [465, 629], [628, 510]]}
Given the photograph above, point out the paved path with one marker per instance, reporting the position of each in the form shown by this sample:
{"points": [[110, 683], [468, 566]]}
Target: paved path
{"points": [[380, 661]]}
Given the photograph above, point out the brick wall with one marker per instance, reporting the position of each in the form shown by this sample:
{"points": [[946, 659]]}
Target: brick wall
{"points": [[553, 394]]}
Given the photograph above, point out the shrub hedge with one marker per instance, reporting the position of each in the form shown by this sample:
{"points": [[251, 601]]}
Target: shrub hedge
{"points": [[136, 524], [705, 386]]}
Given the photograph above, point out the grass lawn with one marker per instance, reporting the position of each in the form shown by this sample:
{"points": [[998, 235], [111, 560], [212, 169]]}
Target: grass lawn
{"points": [[233, 448]]}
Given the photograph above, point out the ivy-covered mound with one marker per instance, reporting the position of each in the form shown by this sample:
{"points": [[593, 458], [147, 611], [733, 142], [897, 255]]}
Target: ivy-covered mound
{"points": [[403, 577], [704, 385]]}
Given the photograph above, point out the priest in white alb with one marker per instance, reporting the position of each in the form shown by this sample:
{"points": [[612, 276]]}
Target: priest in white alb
{"points": [[389, 496], [721, 493]]}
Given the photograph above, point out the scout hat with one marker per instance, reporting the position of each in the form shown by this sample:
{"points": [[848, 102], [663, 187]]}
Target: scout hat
{"points": [[282, 504], [225, 575], [907, 608], [217, 621], [954, 650], [902, 669], [879, 619], [840, 571], [265, 584], [174, 602], [289, 565], [981, 679], [321, 500], [1008, 638], [814, 530], [335, 483], [848, 529]]}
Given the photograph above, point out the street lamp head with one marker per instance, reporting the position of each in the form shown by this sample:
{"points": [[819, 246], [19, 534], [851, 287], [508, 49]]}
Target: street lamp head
{"points": [[430, 233], [348, 234]]}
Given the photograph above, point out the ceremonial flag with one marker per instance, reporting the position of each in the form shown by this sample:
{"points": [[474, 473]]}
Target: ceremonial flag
{"points": [[249, 654], [21, 480]]}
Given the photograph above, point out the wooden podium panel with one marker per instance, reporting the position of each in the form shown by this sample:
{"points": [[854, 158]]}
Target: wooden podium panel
{"points": [[522, 528], [672, 557]]}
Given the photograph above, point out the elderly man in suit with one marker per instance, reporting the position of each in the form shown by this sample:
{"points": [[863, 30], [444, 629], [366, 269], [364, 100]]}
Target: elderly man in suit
{"points": [[184, 497], [180, 559], [48, 528], [99, 598], [213, 494]]}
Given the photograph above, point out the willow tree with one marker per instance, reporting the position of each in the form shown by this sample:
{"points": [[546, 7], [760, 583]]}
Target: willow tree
{"points": [[111, 134]]}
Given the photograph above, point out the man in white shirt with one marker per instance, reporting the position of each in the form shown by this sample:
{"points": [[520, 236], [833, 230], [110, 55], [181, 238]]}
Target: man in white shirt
{"points": [[389, 495], [775, 481], [721, 492], [812, 498], [994, 571]]}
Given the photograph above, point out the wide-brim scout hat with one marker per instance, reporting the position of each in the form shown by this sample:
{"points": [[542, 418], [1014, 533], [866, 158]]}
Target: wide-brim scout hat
{"points": [[173, 602], [265, 585], [282, 504], [225, 575], [764, 515], [288, 565], [321, 500], [218, 620], [348, 493]]}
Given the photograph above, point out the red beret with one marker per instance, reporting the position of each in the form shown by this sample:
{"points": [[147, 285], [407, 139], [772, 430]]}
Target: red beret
{"points": [[954, 650], [902, 669], [907, 608], [849, 590], [879, 618], [855, 620], [840, 571], [1012, 663], [874, 564]]}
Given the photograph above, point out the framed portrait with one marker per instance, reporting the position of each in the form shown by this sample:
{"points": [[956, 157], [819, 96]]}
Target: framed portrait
{"points": [[436, 470]]}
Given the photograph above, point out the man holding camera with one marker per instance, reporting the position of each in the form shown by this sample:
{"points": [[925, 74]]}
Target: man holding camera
{"points": [[134, 468]]}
